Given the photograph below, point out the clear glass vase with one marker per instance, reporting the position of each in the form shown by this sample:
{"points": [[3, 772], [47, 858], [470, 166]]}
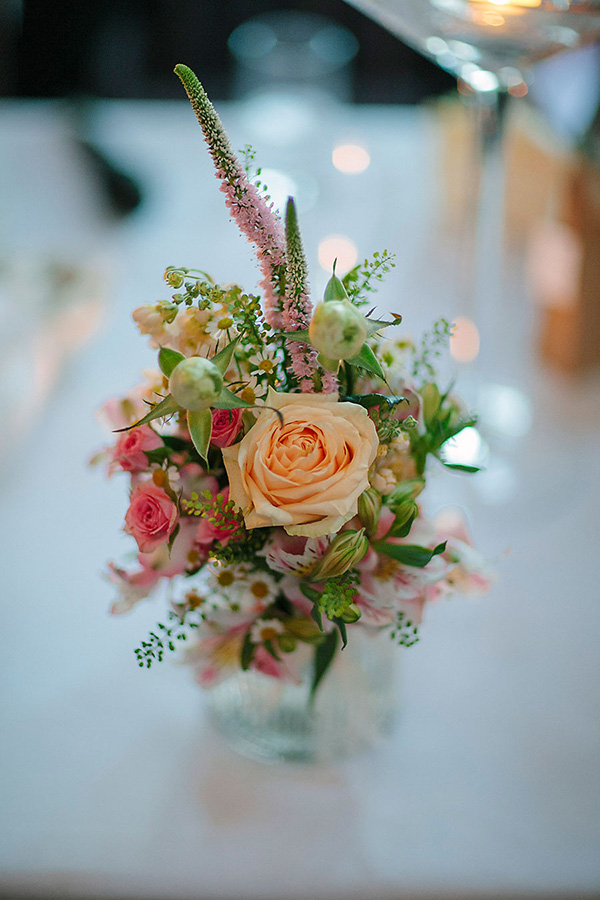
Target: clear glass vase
{"points": [[355, 705]]}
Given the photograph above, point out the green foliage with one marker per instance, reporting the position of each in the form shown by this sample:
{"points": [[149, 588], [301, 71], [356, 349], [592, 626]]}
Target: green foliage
{"points": [[404, 632], [433, 343], [365, 279], [163, 639]]}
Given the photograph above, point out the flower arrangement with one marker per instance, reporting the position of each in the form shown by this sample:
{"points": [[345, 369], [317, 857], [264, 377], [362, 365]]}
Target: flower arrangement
{"points": [[278, 457]]}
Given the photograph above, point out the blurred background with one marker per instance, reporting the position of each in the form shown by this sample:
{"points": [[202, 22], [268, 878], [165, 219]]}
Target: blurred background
{"points": [[112, 785]]}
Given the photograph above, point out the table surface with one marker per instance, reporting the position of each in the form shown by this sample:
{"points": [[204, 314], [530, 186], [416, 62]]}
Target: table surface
{"points": [[112, 783]]}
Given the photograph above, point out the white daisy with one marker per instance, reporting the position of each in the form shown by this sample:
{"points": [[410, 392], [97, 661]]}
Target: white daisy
{"points": [[266, 630]]}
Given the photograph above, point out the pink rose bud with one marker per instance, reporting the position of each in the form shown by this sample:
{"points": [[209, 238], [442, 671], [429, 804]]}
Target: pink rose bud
{"points": [[151, 517], [227, 424], [130, 450]]}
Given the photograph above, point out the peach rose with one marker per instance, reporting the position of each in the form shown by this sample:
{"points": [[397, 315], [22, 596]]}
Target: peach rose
{"points": [[151, 517], [308, 473]]}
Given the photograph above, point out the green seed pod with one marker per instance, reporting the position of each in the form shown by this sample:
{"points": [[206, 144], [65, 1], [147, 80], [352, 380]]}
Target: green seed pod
{"points": [[346, 550], [337, 329], [369, 509], [195, 383]]}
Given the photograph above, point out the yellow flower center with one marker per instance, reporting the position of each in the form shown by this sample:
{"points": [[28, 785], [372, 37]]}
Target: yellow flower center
{"points": [[225, 323], [266, 365], [248, 395], [268, 634], [159, 477], [259, 589], [386, 568], [225, 578]]}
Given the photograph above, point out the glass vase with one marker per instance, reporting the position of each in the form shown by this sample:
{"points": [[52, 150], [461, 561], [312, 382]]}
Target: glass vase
{"points": [[355, 704]]}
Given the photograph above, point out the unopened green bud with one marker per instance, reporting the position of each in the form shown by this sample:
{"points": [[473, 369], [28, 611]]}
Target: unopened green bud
{"points": [[195, 383], [369, 509], [406, 490], [175, 277], [432, 399], [351, 614], [346, 550], [337, 329], [287, 643]]}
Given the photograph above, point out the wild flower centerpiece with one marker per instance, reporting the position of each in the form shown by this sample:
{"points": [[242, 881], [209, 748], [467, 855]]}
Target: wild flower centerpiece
{"points": [[277, 460]]}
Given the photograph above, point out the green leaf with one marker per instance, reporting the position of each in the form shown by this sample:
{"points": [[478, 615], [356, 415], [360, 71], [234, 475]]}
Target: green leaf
{"points": [[248, 650], [200, 425], [300, 335], [315, 615], [369, 400], [268, 645], [229, 400], [458, 467], [409, 554], [342, 629], [223, 358], [375, 325], [174, 534], [168, 359], [366, 359], [324, 653], [165, 408], [335, 289]]}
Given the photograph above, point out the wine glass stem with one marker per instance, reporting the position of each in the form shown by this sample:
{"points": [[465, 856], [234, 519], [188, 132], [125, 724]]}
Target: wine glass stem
{"points": [[482, 269]]}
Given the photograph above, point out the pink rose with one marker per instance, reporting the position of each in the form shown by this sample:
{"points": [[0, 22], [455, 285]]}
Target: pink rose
{"points": [[151, 517], [129, 453], [226, 426]]}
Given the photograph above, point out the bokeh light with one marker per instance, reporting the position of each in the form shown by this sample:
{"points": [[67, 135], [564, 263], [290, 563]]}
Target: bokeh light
{"points": [[340, 247], [464, 343], [351, 159]]}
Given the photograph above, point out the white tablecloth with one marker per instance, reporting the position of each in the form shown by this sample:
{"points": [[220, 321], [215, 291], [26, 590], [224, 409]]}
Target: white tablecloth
{"points": [[112, 783]]}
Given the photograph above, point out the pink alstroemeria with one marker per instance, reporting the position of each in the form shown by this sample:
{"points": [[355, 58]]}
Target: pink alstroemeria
{"points": [[292, 554]]}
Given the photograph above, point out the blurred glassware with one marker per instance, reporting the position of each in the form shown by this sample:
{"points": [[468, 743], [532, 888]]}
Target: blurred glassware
{"points": [[291, 50], [490, 46]]}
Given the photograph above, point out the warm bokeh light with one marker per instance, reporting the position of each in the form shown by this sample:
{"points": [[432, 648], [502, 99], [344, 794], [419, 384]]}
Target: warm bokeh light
{"points": [[509, 2], [464, 343], [351, 159], [340, 247]]}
